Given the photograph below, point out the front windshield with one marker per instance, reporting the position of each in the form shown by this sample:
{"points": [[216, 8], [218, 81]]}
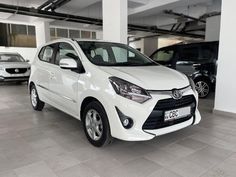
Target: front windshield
{"points": [[11, 58], [113, 54]]}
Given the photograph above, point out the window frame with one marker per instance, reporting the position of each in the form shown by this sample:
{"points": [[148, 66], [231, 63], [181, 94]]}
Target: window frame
{"points": [[53, 54]]}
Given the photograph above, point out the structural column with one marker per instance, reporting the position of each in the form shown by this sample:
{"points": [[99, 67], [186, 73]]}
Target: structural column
{"points": [[115, 20], [212, 28], [226, 85], [42, 30]]}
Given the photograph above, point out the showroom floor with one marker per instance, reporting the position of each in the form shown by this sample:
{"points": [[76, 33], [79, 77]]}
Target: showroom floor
{"points": [[52, 144]]}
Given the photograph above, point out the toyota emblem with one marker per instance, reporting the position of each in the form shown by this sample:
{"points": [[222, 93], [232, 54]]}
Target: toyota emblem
{"points": [[176, 94], [16, 70]]}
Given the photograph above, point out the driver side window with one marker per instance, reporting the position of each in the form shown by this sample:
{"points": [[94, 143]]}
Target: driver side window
{"points": [[65, 50], [164, 55]]}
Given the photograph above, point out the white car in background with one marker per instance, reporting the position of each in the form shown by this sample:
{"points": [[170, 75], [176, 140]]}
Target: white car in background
{"points": [[113, 89], [13, 67]]}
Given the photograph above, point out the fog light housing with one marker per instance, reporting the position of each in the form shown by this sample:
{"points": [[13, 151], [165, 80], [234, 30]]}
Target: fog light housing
{"points": [[126, 121], [1, 78]]}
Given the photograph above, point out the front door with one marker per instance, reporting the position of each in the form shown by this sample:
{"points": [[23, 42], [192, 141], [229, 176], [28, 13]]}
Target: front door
{"points": [[64, 82]]}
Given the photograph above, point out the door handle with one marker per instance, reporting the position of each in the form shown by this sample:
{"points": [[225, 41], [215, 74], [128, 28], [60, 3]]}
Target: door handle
{"points": [[52, 75]]}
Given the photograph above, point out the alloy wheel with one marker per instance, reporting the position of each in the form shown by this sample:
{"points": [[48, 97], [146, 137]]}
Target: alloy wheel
{"points": [[34, 97], [93, 123], [202, 88]]}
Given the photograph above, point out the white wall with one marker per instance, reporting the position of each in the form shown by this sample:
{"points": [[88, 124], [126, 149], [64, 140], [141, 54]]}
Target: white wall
{"points": [[27, 53], [226, 85], [213, 28]]}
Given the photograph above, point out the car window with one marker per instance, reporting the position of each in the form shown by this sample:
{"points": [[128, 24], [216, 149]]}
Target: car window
{"points": [[113, 54], [46, 54], [11, 58], [190, 54], [121, 56], [163, 55], [65, 50], [207, 53]]}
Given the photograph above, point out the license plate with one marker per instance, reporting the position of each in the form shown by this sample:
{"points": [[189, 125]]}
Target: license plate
{"points": [[177, 113]]}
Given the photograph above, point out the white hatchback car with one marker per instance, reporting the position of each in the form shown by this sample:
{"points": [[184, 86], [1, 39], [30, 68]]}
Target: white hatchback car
{"points": [[113, 89]]}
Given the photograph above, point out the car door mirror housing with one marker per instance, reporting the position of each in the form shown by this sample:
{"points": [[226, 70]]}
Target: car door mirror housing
{"points": [[27, 61], [68, 63]]}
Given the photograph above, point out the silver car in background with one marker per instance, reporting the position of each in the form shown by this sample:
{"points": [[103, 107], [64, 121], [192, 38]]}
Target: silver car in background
{"points": [[13, 67]]}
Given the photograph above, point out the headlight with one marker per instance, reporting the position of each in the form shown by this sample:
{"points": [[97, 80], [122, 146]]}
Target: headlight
{"points": [[192, 84], [129, 90]]}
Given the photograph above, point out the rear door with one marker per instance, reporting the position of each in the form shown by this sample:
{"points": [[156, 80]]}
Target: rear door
{"points": [[44, 66], [165, 56], [188, 59], [64, 82]]}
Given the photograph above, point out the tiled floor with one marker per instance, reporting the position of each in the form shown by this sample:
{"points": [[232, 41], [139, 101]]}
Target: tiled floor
{"points": [[52, 144]]}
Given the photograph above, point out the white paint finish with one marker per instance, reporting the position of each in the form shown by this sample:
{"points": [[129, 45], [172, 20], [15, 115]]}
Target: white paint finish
{"points": [[213, 28], [26, 53], [42, 30], [225, 85], [115, 20]]}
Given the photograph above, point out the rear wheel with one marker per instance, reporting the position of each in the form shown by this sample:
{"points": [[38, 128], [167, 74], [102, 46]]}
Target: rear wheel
{"points": [[203, 87], [36, 103], [96, 125]]}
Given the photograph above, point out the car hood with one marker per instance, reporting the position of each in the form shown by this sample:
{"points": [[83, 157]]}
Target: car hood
{"points": [[150, 77], [14, 64]]}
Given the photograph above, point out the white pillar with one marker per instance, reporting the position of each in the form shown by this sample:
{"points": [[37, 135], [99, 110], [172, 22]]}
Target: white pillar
{"points": [[226, 85], [42, 32], [150, 45], [212, 28], [115, 20]]}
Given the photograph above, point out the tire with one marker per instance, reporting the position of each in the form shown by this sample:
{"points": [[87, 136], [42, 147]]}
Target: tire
{"points": [[203, 87], [36, 103], [96, 125]]}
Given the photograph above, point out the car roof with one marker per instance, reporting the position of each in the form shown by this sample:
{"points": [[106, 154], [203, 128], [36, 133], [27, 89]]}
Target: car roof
{"points": [[194, 43], [15, 53]]}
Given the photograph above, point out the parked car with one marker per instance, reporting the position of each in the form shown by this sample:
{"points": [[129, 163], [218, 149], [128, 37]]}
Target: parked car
{"points": [[197, 60], [113, 89], [13, 67]]}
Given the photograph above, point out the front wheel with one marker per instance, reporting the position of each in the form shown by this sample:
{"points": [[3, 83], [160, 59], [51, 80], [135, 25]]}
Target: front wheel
{"points": [[96, 125], [203, 88], [36, 103]]}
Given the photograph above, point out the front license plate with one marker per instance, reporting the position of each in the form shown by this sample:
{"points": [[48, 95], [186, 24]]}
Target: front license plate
{"points": [[177, 113]]}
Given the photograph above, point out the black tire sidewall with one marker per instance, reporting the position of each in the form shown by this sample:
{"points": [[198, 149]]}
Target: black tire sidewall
{"points": [[39, 106], [106, 137]]}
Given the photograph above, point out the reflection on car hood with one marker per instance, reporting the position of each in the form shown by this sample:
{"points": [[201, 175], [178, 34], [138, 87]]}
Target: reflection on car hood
{"points": [[150, 77], [14, 64]]}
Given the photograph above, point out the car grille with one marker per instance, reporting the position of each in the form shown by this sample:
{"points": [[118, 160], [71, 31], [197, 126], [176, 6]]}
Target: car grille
{"points": [[16, 70], [156, 118]]}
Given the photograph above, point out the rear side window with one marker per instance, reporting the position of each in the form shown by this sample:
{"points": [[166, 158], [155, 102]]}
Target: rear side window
{"points": [[190, 54], [207, 53], [65, 50], [46, 54], [164, 55]]}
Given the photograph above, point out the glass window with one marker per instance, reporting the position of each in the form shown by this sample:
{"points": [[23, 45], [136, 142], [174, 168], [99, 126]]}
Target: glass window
{"points": [[62, 32], [18, 29], [207, 53], [47, 54], [163, 55], [74, 33], [11, 58], [52, 32], [31, 30], [94, 35], [85, 34], [113, 54], [65, 50], [190, 54]]}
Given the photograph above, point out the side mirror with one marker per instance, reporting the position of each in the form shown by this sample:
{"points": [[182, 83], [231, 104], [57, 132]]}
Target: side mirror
{"points": [[27, 61], [68, 63]]}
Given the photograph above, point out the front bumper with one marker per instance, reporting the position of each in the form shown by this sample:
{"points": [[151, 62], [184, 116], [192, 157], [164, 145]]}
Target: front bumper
{"points": [[13, 79], [8, 77], [141, 113]]}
